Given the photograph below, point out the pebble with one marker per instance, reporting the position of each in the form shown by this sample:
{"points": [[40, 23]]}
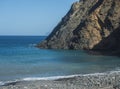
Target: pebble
{"points": [[106, 81]]}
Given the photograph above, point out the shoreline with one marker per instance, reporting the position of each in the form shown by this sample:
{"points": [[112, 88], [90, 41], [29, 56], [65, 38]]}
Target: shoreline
{"points": [[107, 80]]}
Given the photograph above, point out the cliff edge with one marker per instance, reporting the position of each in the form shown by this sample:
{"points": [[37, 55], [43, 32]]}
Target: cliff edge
{"points": [[90, 25]]}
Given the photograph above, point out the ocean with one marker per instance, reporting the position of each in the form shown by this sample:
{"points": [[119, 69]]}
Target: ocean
{"points": [[21, 60]]}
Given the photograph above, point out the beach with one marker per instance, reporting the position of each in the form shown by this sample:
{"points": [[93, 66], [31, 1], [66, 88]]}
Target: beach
{"points": [[23, 66], [80, 52], [108, 80]]}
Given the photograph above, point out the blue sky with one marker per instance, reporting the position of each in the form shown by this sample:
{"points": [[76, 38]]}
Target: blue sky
{"points": [[31, 17]]}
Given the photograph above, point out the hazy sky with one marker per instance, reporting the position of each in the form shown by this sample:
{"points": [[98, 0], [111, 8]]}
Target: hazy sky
{"points": [[31, 17]]}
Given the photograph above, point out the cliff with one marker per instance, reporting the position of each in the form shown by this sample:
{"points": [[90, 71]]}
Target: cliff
{"points": [[89, 24]]}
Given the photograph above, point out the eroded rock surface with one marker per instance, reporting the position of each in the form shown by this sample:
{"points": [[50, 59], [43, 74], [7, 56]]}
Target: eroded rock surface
{"points": [[87, 24]]}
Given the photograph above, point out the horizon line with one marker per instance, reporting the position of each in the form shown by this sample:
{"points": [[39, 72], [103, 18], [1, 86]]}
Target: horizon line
{"points": [[23, 35]]}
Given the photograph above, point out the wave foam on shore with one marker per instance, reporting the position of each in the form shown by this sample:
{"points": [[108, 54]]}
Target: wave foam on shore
{"points": [[55, 77]]}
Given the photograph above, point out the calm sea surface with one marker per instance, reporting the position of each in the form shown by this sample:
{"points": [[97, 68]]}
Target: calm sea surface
{"points": [[20, 59]]}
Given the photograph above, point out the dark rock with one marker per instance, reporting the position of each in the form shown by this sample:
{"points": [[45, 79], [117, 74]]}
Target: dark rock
{"points": [[111, 44]]}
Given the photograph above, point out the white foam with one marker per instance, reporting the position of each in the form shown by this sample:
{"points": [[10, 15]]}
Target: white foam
{"points": [[47, 78], [68, 76], [2, 83], [58, 77], [32, 45]]}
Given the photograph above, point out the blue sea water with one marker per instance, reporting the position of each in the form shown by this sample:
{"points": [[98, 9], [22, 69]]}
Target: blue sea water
{"points": [[19, 58]]}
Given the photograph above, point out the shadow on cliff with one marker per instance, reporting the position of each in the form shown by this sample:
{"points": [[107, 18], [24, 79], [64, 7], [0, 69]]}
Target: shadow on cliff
{"points": [[95, 6], [109, 45], [83, 22]]}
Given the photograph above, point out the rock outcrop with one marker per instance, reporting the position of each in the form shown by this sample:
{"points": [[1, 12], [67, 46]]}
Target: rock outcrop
{"points": [[89, 24], [109, 45]]}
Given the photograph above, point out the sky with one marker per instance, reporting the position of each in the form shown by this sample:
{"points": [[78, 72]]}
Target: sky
{"points": [[31, 17]]}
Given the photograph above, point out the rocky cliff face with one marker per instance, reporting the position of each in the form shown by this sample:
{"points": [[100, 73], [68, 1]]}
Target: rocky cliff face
{"points": [[87, 25], [109, 45]]}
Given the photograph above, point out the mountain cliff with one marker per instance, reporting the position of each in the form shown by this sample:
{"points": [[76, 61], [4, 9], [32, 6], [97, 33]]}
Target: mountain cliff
{"points": [[89, 24]]}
